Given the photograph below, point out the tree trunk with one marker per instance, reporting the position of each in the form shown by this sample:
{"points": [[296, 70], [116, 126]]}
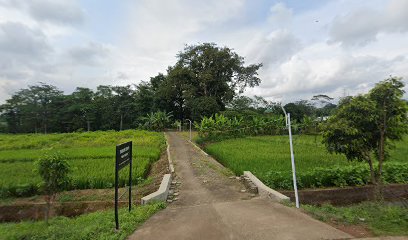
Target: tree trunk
{"points": [[381, 152], [381, 156], [372, 171]]}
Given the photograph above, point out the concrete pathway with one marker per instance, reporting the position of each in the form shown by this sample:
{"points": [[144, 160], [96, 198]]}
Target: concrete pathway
{"points": [[211, 205]]}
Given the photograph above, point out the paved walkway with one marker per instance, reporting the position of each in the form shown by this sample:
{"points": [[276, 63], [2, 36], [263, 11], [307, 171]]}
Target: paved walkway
{"points": [[211, 205]]}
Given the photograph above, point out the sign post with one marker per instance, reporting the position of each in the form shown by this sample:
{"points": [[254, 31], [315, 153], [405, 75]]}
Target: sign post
{"points": [[123, 158]]}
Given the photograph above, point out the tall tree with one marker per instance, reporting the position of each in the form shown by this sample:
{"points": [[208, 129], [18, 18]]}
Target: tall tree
{"points": [[299, 109], [210, 71], [80, 113], [364, 127], [30, 109]]}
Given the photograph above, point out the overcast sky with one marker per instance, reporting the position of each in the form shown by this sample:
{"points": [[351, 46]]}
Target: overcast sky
{"points": [[307, 47]]}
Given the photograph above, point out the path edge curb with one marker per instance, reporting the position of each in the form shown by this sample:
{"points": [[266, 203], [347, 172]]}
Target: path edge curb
{"points": [[195, 145], [161, 194], [265, 190]]}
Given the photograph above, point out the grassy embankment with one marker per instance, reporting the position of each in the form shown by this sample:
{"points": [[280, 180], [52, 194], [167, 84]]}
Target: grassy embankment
{"points": [[380, 219], [91, 156]]}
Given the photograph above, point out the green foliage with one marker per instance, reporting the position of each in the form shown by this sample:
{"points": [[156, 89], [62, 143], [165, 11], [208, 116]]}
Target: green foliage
{"points": [[92, 159], [86, 174], [203, 106], [202, 81], [53, 170], [381, 219], [98, 225], [299, 109], [366, 125], [34, 105], [268, 157], [219, 127], [218, 70], [337, 176], [157, 121]]}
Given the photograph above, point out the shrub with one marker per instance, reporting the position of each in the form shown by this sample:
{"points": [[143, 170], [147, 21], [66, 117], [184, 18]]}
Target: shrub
{"points": [[54, 173], [338, 176], [219, 127], [157, 121]]}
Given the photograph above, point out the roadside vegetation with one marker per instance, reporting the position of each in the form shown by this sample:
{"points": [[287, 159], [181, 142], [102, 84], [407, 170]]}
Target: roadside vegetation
{"points": [[91, 156], [363, 142], [98, 225], [379, 218], [336, 143], [268, 157]]}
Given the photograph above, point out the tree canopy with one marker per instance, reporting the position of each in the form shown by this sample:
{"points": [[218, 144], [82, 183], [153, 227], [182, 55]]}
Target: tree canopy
{"points": [[364, 127], [202, 82]]}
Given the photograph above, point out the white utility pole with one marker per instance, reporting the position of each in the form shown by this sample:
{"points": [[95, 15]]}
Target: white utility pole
{"points": [[190, 127], [292, 156]]}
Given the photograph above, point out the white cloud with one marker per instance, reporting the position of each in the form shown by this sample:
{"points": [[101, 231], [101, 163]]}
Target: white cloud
{"points": [[362, 26], [338, 45], [327, 69], [92, 54], [56, 12], [280, 16], [18, 40], [50, 11]]}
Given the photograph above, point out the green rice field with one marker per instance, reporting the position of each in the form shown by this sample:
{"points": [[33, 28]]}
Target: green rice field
{"points": [[268, 157], [91, 156]]}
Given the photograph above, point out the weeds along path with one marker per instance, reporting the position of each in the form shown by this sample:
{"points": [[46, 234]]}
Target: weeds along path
{"points": [[211, 205]]}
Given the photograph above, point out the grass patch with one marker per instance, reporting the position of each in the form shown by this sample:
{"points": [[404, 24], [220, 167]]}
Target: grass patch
{"points": [[381, 219], [72, 140], [268, 157], [98, 225]]}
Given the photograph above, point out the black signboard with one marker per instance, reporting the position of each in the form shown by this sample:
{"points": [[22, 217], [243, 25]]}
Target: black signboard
{"points": [[123, 158]]}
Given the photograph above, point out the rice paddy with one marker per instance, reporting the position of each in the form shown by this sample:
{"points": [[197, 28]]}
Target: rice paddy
{"points": [[91, 156], [268, 157]]}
